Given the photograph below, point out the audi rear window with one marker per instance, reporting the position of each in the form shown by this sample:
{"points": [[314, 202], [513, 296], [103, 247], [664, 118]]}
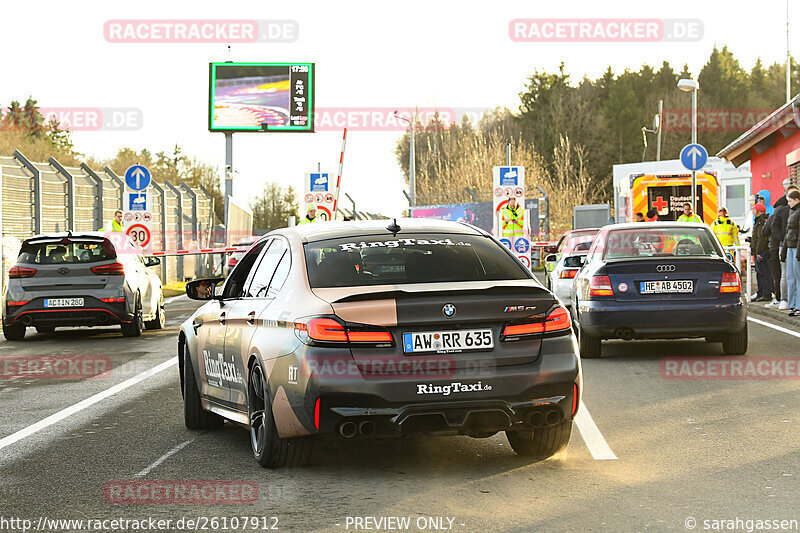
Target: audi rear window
{"points": [[659, 242], [419, 258], [65, 252]]}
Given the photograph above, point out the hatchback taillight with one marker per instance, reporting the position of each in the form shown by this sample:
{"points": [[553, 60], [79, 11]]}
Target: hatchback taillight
{"points": [[17, 272], [730, 283], [568, 274], [325, 329], [600, 286], [557, 320], [111, 269]]}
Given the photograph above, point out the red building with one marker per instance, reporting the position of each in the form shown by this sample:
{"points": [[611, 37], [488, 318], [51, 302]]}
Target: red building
{"points": [[773, 148]]}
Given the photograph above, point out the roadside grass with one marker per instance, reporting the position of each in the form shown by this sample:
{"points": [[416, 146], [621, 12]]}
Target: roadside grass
{"points": [[174, 289]]}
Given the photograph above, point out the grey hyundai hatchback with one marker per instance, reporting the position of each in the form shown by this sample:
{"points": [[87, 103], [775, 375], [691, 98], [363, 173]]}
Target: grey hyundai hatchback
{"points": [[81, 279]]}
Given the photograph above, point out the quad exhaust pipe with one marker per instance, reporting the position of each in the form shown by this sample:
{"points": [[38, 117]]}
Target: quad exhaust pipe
{"points": [[27, 320], [625, 334], [540, 419], [348, 429], [365, 428]]}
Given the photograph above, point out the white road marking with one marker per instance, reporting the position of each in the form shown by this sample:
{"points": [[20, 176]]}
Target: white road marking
{"points": [[594, 440], [88, 402], [775, 327], [163, 458]]}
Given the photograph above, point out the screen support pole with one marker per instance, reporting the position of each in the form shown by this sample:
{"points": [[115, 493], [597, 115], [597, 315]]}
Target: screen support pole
{"points": [[228, 172]]}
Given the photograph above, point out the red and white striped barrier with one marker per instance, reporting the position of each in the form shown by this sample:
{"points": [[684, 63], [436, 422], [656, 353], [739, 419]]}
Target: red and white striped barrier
{"points": [[198, 251]]}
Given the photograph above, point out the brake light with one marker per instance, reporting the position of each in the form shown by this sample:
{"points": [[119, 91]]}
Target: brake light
{"points": [[568, 274], [112, 300], [316, 415], [23, 302], [330, 330], [111, 269], [574, 399], [730, 283], [600, 286], [557, 320], [17, 272]]}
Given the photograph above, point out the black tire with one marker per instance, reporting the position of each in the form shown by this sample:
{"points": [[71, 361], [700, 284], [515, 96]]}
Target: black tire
{"points": [[541, 443], [160, 319], [135, 326], [269, 449], [14, 333], [194, 416], [735, 343], [591, 347], [45, 329]]}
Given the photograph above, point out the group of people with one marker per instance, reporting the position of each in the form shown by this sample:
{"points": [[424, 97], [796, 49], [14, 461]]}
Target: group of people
{"points": [[774, 245]]}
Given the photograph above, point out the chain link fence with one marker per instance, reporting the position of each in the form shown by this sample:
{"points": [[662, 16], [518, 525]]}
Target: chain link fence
{"points": [[48, 197]]}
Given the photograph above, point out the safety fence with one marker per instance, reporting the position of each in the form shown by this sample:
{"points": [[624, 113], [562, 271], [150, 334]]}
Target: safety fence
{"points": [[49, 197]]}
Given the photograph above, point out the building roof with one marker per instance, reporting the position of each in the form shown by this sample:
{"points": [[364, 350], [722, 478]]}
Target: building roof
{"points": [[785, 119]]}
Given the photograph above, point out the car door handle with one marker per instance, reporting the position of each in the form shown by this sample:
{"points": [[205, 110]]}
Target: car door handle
{"points": [[251, 318], [222, 318], [196, 325]]}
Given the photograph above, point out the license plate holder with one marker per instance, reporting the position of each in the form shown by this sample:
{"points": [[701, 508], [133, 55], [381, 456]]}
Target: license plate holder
{"points": [[448, 341], [51, 303], [667, 286]]}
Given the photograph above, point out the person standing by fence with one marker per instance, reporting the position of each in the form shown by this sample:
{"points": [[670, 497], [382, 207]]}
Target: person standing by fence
{"points": [[792, 259]]}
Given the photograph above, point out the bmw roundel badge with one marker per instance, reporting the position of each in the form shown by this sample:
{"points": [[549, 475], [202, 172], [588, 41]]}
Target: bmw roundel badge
{"points": [[449, 310]]}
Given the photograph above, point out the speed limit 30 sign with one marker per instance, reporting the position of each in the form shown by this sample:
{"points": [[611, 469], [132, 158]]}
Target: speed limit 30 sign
{"points": [[140, 234]]}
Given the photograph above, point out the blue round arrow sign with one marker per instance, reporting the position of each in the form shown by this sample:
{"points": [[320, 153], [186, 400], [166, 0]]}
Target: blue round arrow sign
{"points": [[694, 156], [137, 177]]}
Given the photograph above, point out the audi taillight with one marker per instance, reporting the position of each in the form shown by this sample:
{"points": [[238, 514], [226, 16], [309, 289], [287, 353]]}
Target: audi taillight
{"points": [[330, 330], [557, 320], [111, 269], [568, 274], [730, 283], [17, 272], [600, 286]]}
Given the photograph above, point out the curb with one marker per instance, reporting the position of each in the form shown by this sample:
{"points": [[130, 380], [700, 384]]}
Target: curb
{"points": [[777, 316]]}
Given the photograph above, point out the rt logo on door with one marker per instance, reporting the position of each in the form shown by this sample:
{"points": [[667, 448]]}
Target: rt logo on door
{"points": [[449, 310], [293, 375]]}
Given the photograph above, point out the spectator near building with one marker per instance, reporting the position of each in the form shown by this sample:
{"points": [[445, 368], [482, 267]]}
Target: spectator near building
{"points": [[759, 249]]}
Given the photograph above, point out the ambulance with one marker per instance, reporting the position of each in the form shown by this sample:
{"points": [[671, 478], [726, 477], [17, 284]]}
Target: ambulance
{"points": [[666, 193]]}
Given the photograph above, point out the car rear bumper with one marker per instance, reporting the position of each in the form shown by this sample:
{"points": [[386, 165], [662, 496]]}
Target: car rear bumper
{"points": [[562, 289], [93, 313], [662, 320], [477, 402]]}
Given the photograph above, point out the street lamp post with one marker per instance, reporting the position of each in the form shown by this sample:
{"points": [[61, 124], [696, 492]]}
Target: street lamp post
{"points": [[411, 164], [693, 86]]}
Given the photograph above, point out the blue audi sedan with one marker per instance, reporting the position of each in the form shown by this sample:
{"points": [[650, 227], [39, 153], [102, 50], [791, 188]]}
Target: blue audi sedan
{"points": [[660, 280]]}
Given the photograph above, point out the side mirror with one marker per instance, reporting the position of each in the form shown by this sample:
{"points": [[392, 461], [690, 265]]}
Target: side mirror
{"points": [[151, 261], [574, 261], [203, 289], [551, 258]]}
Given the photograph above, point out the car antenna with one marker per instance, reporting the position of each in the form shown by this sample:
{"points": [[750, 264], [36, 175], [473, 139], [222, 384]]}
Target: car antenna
{"points": [[393, 227]]}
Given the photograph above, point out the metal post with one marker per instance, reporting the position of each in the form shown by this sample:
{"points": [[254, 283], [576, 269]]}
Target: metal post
{"points": [[110, 173], [70, 192], [228, 172], [210, 241], [508, 155], [694, 141], [660, 126], [163, 194], [98, 219], [788, 59], [546, 211], [179, 232], [37, 190], [412, 184], [195, 225], [351, 201], [471, 193]]}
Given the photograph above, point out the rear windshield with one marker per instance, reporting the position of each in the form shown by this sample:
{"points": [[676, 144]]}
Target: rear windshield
{"points": [[381, 260], [578, 242], [58, 253], [659, 242]]}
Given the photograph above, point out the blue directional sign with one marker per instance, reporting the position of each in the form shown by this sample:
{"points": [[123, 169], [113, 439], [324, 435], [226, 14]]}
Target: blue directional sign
{"points": [[137, 201], [509, 176], [694, 156], [319, 182], [506, 242], [137, 177]]}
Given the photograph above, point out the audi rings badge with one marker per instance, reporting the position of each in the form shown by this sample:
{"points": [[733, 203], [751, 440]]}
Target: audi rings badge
{"points": [[665, 268]]}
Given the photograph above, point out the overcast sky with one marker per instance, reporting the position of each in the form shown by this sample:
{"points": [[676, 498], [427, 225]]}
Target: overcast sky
{"points": [[368, 54]]}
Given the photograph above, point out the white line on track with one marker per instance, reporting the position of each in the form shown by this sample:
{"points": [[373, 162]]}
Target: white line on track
{"points": [[164, 457], [88, 402], [775, 327], [172, 298], [594, 440]]}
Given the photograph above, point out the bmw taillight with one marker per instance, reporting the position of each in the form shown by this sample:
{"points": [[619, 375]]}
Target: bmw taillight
{"points": [[574, 398], [731, 283], [569, 274], [600, 286], [17, 272], [329, 330], [111, 269], [557, 320]]}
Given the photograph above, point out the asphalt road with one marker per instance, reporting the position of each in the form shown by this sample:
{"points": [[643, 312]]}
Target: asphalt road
{"points": [[685, 449]]}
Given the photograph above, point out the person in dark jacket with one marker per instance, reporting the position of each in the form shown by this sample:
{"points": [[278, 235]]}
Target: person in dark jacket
{"points": [[787, 185], [759, 249], [792, 258], [776, 228]]}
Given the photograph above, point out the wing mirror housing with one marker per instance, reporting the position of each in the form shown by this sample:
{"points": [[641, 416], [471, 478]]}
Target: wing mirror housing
{"points": [[551, 258], [151, 261], [203, 289]]}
